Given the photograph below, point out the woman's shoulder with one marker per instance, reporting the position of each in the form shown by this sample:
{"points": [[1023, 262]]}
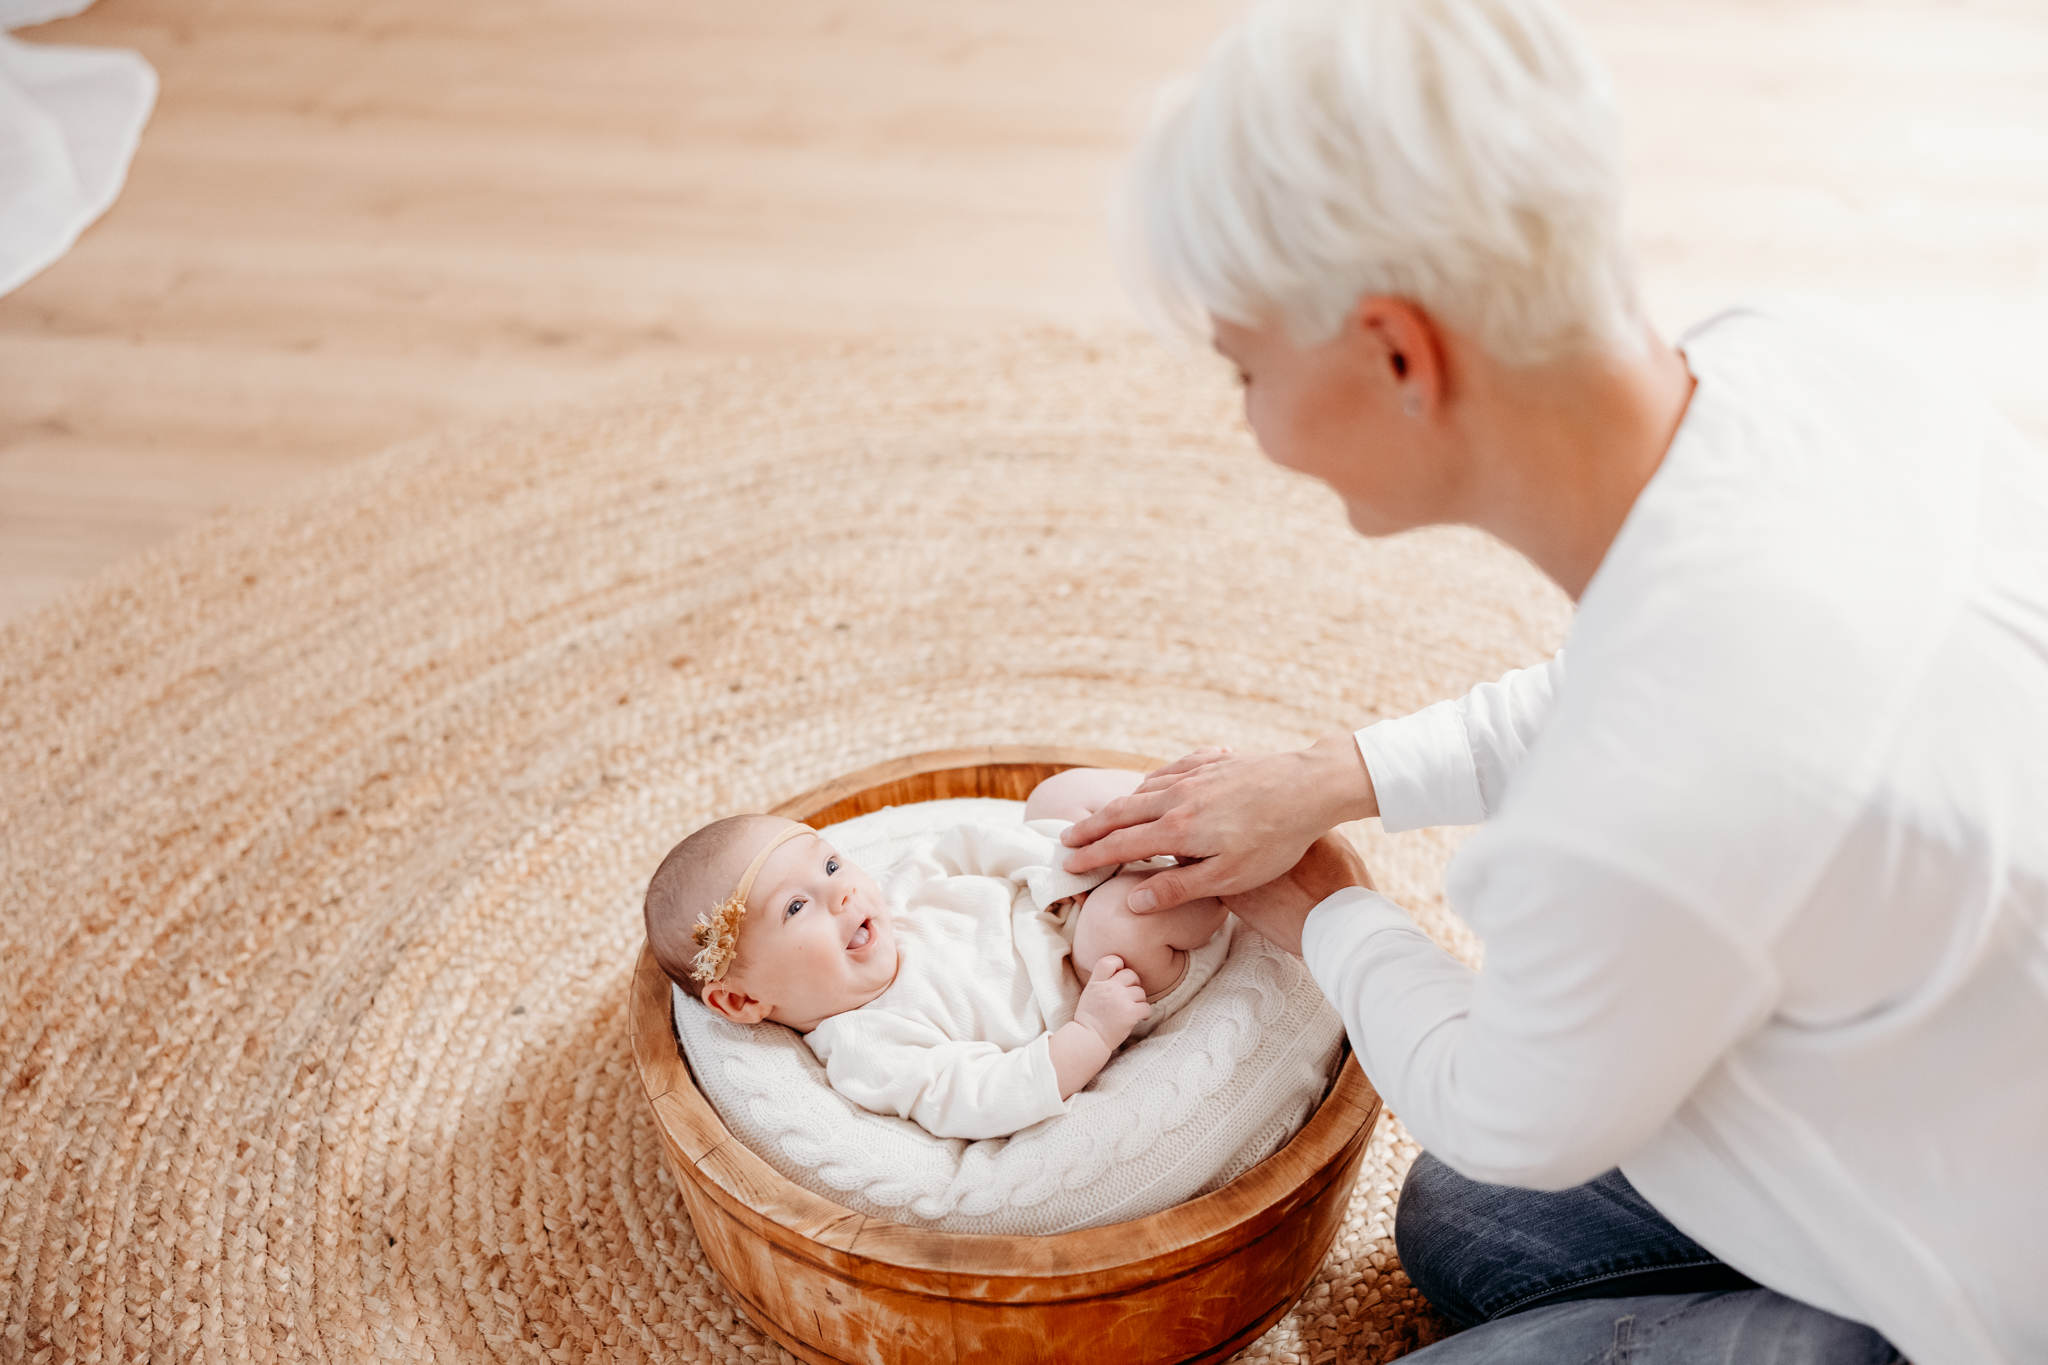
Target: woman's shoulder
{"points": [[1804, 328], [1766, 631], [1742, 659], [1826, 417], [1812, 524]]}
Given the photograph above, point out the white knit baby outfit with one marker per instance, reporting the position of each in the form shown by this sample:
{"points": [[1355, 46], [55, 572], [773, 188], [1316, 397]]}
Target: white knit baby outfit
{"points": [[961, 1040]]}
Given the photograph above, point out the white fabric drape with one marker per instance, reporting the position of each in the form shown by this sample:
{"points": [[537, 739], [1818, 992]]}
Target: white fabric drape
{"points": [[70, 118]]}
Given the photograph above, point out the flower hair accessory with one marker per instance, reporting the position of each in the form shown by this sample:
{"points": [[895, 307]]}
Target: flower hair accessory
{"points": [[718, 934]]}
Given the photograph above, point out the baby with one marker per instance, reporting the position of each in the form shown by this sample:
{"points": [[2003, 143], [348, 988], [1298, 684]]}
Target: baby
{"points": [[1000, 986]]}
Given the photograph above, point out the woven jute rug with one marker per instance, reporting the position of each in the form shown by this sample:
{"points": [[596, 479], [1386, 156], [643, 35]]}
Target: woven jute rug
{"points": [[324, 828]]}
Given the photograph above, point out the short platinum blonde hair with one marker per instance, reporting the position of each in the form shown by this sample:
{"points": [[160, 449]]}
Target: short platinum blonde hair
{"points": [[1462, 154]]}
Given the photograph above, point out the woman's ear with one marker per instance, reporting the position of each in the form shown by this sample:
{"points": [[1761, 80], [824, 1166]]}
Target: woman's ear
{"points": [[734, 1004], [1405, 343]]}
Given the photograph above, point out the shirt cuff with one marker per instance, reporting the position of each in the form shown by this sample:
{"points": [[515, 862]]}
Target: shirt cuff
{"points": [[1422, 769], [1343, 919]]}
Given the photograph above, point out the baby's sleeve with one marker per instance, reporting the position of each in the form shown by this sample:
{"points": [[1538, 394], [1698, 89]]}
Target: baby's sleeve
{"points": [[895, 1065]]}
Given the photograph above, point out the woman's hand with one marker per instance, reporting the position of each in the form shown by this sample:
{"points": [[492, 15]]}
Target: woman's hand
{"points": [[1278, 909], [1237, 820]]}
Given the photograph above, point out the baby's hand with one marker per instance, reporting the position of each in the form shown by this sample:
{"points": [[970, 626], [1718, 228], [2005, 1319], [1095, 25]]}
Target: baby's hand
{"points": [[1112, 1003]]}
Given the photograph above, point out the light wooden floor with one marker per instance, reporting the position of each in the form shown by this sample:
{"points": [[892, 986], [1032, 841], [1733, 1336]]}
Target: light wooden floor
{"points": [[353, 223]]}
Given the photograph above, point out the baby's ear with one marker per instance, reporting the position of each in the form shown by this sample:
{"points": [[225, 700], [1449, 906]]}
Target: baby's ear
{"points": [[734, 1004]]}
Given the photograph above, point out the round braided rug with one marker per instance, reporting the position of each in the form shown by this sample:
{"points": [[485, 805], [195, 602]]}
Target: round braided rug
{"points": [[324, 828]]}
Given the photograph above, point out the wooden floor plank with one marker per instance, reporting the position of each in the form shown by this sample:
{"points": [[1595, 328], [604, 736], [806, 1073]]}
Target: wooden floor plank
{"points": [[353, 224]]}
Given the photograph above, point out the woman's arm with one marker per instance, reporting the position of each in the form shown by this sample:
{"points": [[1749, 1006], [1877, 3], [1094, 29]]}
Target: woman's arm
{"points": [[1250, 817], [1247, 817], [1603, 1004], [1451, 763], [1279, 909]]}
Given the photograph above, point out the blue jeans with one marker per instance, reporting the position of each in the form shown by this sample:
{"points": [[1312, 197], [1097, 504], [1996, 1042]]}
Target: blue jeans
{"points": [[1595, 1276]]}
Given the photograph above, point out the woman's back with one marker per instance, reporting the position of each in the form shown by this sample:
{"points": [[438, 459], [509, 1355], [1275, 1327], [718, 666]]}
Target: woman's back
{"points": [[1807, 701]]}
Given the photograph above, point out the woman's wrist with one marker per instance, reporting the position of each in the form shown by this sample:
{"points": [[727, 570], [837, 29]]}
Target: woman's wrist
{"points": [[1341, 781]]}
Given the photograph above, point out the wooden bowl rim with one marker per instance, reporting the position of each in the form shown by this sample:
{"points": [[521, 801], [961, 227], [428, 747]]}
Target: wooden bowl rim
{"points": [[1347, 1106]]}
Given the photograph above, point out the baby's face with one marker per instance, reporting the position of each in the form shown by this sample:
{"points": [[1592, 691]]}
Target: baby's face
{"points": [[816, 939]]}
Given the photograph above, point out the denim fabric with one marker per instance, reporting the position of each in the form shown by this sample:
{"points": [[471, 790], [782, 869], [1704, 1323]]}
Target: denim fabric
{"points": [[1593, 1275], [1744, 1327], [1480, 1252]]}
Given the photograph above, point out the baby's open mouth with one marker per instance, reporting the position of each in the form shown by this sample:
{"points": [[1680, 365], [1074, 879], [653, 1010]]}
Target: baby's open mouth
{"points": [[861, 934]]}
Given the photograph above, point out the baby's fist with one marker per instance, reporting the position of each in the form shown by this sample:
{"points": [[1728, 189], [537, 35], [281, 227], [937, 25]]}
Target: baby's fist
{"points": [[1112, 1003]]}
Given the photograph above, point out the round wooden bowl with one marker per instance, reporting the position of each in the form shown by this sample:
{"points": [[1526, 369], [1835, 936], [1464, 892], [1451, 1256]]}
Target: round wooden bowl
{"points": [[1197, 1282]]}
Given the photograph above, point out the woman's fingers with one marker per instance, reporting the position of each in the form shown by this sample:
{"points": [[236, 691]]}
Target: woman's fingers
{"points": [[1130, 845], [1139, 808], [1159, 779], [1164, 890], [1179, 885], [1250, 816], [1208, 753], [1330, 862]]}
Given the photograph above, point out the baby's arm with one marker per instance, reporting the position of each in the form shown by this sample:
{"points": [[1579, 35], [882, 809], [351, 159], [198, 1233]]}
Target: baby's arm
{"points": [[952, 1088], [1112, 1004], [893, 1064], [1078, 793]]}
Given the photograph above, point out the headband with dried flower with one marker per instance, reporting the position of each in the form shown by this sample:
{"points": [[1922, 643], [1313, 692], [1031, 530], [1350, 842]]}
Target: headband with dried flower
{"points": [[718, 934]]}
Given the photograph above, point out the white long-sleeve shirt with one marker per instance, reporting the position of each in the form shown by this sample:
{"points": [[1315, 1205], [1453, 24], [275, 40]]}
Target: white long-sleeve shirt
{"points": [[1764, 882]]}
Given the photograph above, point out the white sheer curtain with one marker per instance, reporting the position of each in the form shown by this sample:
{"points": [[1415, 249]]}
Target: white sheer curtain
{"points": [[69, 121]]}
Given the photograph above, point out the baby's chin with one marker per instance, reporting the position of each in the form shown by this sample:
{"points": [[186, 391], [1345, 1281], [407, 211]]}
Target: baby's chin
{"points": [[885, 964], [853, 1001]]}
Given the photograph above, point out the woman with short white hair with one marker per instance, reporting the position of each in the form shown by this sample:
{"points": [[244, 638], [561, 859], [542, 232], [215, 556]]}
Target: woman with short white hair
{"points": [[1758, 1064]]}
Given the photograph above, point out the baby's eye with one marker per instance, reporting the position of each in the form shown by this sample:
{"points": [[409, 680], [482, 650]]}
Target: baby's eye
{"points": [[831, 866], [794, 906]]}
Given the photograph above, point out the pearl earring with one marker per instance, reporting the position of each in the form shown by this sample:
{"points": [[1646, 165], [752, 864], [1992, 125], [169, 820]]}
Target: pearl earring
{"points": [[1411, 404]]}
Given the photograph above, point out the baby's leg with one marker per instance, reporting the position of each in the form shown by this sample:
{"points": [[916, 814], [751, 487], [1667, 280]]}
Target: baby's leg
{"points": [[1078, 793], [1154, 946]]}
